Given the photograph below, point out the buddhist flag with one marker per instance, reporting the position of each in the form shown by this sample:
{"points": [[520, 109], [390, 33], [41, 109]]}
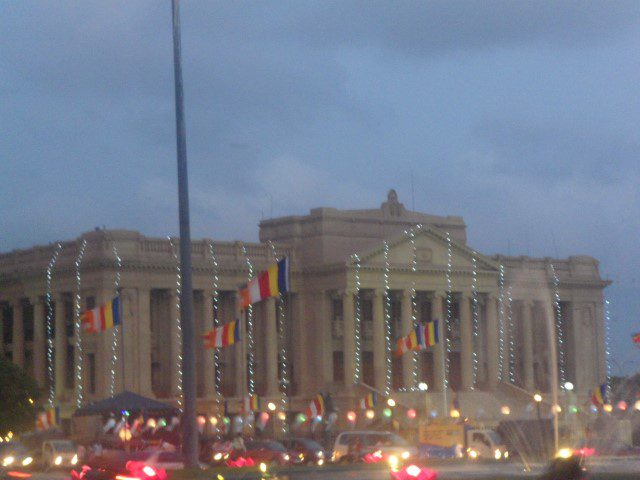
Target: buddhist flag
{"points": [[316, 408], [250, 403], [599, 395], [419, 338], [47, 419], [222, 336], [270, 283], [370, 401], [101, 318], [635, 338]]}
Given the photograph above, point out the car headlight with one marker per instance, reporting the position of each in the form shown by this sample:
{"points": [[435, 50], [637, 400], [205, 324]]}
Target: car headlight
{"points": [[564, 453], [7, 461], [506, 454], [286, 457], [473, 454], [58, 460], [217, 456], [393, 462], [405, 455], [321, 462], [497, 454], [27, 461], [74, 459], [320, 454]]}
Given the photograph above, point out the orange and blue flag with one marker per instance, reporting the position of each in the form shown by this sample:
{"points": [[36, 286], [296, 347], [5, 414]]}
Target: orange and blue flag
{"points": [[599, 395], [101, 318]]}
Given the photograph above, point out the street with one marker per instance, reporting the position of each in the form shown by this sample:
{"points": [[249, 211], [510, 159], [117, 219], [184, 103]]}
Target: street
{"points": [[600, 468]]}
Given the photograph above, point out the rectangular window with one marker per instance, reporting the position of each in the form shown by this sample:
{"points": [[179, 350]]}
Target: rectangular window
{"points": [[70, 368], [28, 321], [338, 367], [68, 317]]}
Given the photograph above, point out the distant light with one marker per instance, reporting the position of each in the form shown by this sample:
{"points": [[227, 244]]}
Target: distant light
{"points": [[556, 409], [608, 408], [226, 420], [423, 386], [271, 406], [433, 413], [636, 405], [454, 413], [31, 400], [351, 416], [537, 397], [301, 418], [282, 416], [505, 410], [564, 453], [370, 414], [213, 421], [411, 413], [574, 409], [264, 416], [263, 467], [386, 412], [568, 386], [391, 402], [201, 420], [622, 405]]}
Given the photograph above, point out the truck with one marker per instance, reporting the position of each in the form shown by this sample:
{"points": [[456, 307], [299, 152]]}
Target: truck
{"points": [[448, 439]]}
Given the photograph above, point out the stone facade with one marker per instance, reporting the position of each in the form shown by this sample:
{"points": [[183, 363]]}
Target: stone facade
{"points": [[500, 350]]}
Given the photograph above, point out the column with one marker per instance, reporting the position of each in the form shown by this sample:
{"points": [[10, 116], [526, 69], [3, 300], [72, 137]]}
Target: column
{"points": [[144, 342], [208, 369], [18, 332], [379, 343], [406, 323], [348, 337], [241, 351], [439, 349], [493, 350], [324, 319], [466, 340], [527, 347], [39, 341], [60, 345], [176, 344], [271, 348]]}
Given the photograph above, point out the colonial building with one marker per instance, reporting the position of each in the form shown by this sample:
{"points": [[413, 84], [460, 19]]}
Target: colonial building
{"points": [[359, 280]]}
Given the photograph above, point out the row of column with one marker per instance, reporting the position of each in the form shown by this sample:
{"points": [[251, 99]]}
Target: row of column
{"points": [[438, 311]]}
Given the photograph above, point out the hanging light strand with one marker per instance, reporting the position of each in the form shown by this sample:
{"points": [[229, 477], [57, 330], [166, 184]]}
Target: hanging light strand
{"points": [[49, 325], [447, 328], [476, 327], [282, 340], [512, 336], [559, 326], [607, 345], [501, 324], [115, 331], [414, 300], [357, 353], [387, 321], [215, 297], [78, 327], [174, 251], [251, 344]]}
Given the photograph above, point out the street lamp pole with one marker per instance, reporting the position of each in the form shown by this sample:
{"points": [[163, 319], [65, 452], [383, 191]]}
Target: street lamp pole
{"points": [[189, 427]]}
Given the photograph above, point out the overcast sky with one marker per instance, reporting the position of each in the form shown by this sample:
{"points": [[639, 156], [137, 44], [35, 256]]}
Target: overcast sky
{"points": [[520, 116]]}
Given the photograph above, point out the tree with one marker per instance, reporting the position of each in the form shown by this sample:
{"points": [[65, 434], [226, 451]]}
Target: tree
{"points": [[18, 395]]}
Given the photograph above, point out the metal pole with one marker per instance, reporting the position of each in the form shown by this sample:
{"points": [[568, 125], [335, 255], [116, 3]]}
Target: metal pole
{"points": [[189, 427]]}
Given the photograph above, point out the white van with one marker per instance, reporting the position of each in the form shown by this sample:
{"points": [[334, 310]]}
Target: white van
{"points": [[349, 445]]}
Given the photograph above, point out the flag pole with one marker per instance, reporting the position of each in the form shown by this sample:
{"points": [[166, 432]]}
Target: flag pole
{"points": [[189, 425]]}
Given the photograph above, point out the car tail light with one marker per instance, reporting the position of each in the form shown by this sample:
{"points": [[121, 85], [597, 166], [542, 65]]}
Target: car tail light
{"points": [[148, 471]]}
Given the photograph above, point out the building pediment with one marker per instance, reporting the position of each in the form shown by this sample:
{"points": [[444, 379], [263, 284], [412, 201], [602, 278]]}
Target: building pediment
{"points": [[431, 250]]}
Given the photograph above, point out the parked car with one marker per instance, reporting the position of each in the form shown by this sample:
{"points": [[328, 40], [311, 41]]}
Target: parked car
{"points": [[59, 454], [358, 445], [267, 451], [15, 456], [305, 450]]}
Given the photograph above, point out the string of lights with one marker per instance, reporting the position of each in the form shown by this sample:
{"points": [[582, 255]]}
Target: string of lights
{"points": [[387, 321], [174, 251], [282, 340], [476, 328], [215, 295], [115, 331], [559, 326], [607, 345], [49, 324], [512, 337], [501, 322], [78, 326], [414, 299], [251, 344], [447, 329], [357, 372]]}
